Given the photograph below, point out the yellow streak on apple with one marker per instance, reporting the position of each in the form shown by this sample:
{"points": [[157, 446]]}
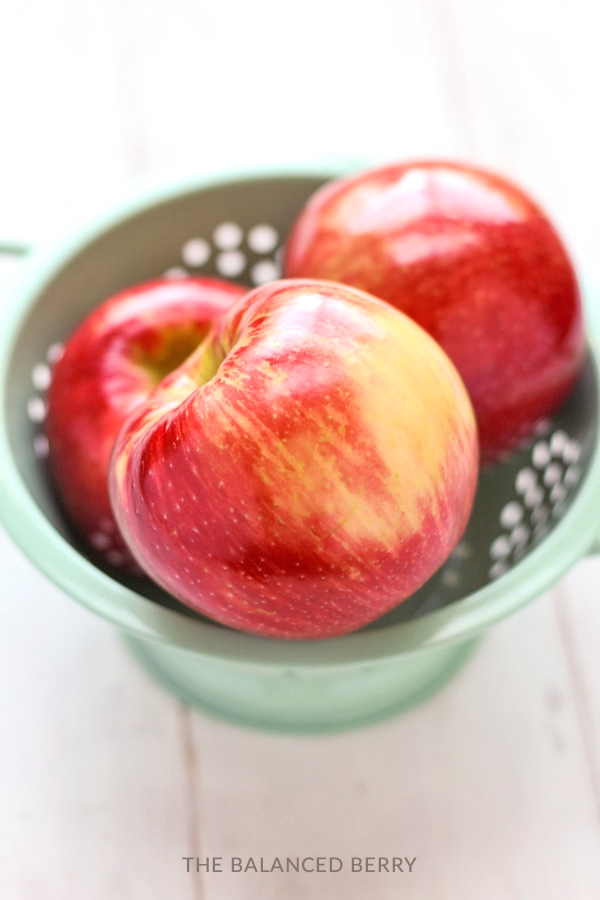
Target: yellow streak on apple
{"points": [[414, 459]]}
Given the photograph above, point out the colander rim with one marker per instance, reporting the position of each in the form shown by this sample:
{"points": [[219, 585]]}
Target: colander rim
{"points": [[52, 554]]}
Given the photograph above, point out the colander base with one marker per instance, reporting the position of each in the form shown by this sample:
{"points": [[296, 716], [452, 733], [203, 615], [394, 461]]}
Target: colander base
{"points": [[307, 700]]}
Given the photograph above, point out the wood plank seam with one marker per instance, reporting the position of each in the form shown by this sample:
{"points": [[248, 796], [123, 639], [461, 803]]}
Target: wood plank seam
{"points": [[190, 762], [451, 74], [576, 681]]}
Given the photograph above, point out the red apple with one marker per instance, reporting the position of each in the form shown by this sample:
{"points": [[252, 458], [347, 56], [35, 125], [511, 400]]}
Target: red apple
{"points": [[307, 469], [111, 363], [475, 262]]}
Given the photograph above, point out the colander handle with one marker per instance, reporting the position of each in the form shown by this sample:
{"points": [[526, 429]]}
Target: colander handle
{"points": [[594, 550], [11, 248]]}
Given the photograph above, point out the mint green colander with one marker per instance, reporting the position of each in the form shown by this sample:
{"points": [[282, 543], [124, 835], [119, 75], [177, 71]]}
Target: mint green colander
{"points": [[534, 516]]}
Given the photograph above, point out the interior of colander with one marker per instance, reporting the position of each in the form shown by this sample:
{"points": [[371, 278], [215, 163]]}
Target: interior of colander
{"points": [[236, 230]]}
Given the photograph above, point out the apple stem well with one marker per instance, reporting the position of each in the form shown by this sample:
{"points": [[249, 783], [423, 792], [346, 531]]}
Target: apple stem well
{"points": [[176, 346]]}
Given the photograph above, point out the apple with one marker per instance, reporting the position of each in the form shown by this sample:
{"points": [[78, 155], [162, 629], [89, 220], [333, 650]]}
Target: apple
{"points": [[111, 363], [305, 470], [475, 262]]}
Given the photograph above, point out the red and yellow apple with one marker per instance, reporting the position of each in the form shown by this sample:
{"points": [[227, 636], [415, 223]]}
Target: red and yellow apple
{"points": [[112, 362], [305, 470], [475, 262]]}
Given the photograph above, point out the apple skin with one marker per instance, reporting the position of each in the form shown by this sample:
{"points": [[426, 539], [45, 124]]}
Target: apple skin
{"points": [[111, 363], [475, 262], [306, 470]]}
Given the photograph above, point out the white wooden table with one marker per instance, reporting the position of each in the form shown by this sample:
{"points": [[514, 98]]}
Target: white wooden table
{"points": [[105, 781]]}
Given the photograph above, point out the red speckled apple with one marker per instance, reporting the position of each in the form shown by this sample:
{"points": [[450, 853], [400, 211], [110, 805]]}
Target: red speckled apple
{"points": [[308, 468], [111, 363], [475, 262]]}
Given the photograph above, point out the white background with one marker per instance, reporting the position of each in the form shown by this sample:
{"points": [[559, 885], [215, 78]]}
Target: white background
{"points": [[105, 781]]}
